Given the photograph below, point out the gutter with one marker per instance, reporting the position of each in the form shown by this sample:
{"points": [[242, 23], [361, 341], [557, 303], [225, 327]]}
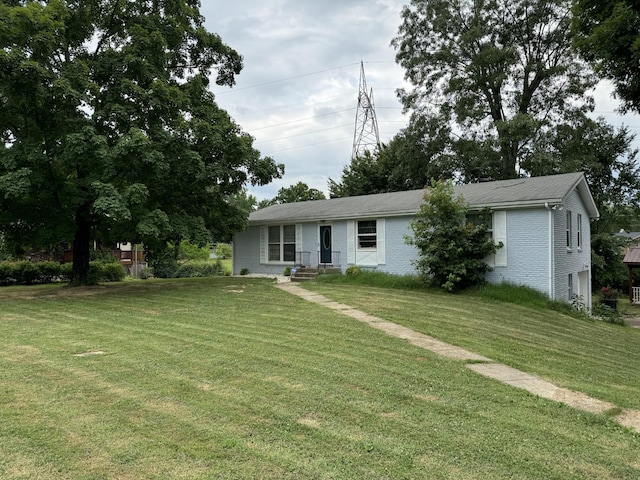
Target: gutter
{"points": [[551, 209]]}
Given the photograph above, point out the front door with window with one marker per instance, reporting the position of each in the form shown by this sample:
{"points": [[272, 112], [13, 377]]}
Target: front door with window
{"points": [[325, 244]]}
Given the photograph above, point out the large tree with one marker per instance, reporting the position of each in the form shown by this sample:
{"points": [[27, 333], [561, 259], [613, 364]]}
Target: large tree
{"points": [[108, 128], [497, 74], [607, 33], [415, 156], [300, 192]]}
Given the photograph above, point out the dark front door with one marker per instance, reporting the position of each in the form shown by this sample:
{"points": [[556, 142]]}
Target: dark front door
{"points": [[325, 244]]}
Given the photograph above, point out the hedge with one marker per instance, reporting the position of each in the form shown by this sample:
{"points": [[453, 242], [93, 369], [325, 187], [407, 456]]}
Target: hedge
{"points": [[28, 273]]}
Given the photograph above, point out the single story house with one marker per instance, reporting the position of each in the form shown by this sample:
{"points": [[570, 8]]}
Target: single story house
{"points": [[543, 223]]}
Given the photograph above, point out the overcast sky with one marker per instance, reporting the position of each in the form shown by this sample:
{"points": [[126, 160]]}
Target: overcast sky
{"points": [[298, 91]]}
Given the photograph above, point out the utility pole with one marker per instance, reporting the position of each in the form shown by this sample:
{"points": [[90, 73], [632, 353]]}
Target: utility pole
{"points": [[366, 136]]}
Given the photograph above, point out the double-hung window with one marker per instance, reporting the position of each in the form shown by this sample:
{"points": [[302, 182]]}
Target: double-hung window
{"points": [[367, 235], [569, 231], [282, 243], [579, 230], [482, 219]]}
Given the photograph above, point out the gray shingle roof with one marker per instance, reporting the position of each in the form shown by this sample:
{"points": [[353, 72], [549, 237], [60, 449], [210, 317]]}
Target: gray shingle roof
{"points": [[521, 192]]}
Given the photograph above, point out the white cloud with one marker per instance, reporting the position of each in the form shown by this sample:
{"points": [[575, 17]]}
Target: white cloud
{"points": [[297, 94]]}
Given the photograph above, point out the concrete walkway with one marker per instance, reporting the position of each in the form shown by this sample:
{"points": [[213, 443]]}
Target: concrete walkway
{"points": [[482, 365]]}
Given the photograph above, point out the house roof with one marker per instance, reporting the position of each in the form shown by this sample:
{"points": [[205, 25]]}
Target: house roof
{"points": [[632, 257], [516, 193]]}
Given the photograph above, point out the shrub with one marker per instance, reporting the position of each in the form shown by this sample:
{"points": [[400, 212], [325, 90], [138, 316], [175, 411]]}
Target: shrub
{"points": [[287, 271], [223, 250], [200, 269], [452, 248], [65, 272], [105, 272], [6, 274], [189, 251], [164, 267], [48, 271], [28, 273], [353, 270], [244, 271], [112, 272], [25, 273]]}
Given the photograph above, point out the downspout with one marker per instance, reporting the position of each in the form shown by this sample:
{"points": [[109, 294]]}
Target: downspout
{"points": [[550, 251]]}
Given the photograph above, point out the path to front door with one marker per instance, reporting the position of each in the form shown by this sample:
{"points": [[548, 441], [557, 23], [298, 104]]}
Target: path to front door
{"points": [[482, 365]]}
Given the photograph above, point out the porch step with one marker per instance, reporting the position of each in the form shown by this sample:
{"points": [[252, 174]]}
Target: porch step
{"points": [[306, 274]]}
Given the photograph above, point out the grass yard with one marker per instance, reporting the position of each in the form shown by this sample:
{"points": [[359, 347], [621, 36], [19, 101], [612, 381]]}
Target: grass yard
{"points": [[587, 355], [231, 378]]}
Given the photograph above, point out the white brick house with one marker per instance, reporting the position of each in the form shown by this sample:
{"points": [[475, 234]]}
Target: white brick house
{"points": [[543, 223]]}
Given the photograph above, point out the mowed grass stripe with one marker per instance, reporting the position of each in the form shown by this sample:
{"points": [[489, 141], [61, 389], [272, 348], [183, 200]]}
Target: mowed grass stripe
{"points": [[267, 387], [590, 356]]}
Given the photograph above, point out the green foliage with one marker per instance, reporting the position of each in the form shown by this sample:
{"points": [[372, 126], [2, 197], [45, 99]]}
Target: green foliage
{"points": [[29, 273], [520, 295], [607, 314], [189, 251], [200, 268], [324, 397], [164, 265], [103, 256], [223, 250], [606, 261], [353, 271], [607, 33], [244, 271], [491, 78], [373, 279], [452, 250], [412, 158], [110, 130], [287, 271], [300, 192], [100, 271]]}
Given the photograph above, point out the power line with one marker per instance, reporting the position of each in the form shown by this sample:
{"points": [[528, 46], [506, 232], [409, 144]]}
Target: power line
{"points": [[300, 120], [302, 134], [284, 79], [308, 145]]}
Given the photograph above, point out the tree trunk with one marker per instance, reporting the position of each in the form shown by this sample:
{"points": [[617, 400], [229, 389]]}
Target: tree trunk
{"points": [[81, 247]]}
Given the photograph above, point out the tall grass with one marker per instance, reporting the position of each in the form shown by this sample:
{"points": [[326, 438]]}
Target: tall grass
{"points": [[504, 292]]}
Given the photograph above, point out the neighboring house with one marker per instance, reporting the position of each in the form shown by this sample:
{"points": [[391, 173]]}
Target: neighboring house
{"points": [[543, 223]]}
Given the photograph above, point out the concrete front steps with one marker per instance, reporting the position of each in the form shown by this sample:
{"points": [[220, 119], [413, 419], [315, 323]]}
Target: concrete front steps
{"points": [[304, 274]]}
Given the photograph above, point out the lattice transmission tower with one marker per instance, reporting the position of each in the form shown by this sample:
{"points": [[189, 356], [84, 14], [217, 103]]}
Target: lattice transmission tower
{"points": [[366, 136]]}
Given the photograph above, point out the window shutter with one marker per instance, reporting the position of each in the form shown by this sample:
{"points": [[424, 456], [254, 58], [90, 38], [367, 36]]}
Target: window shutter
{"points": [[380, 231], [264, 247], [298, 237], [500, 235], [351, 242]]}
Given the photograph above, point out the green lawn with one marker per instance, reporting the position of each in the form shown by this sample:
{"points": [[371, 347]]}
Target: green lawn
{"points": [[233, 378], [597, 358]]}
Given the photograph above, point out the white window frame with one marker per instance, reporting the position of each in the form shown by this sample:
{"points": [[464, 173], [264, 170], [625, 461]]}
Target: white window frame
{"points": [[579, 231], [281, 243], [497, 231], [368, 237], [569, 231]]}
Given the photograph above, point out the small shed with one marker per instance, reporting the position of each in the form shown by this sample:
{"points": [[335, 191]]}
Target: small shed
{"points": [[632, 260]]}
